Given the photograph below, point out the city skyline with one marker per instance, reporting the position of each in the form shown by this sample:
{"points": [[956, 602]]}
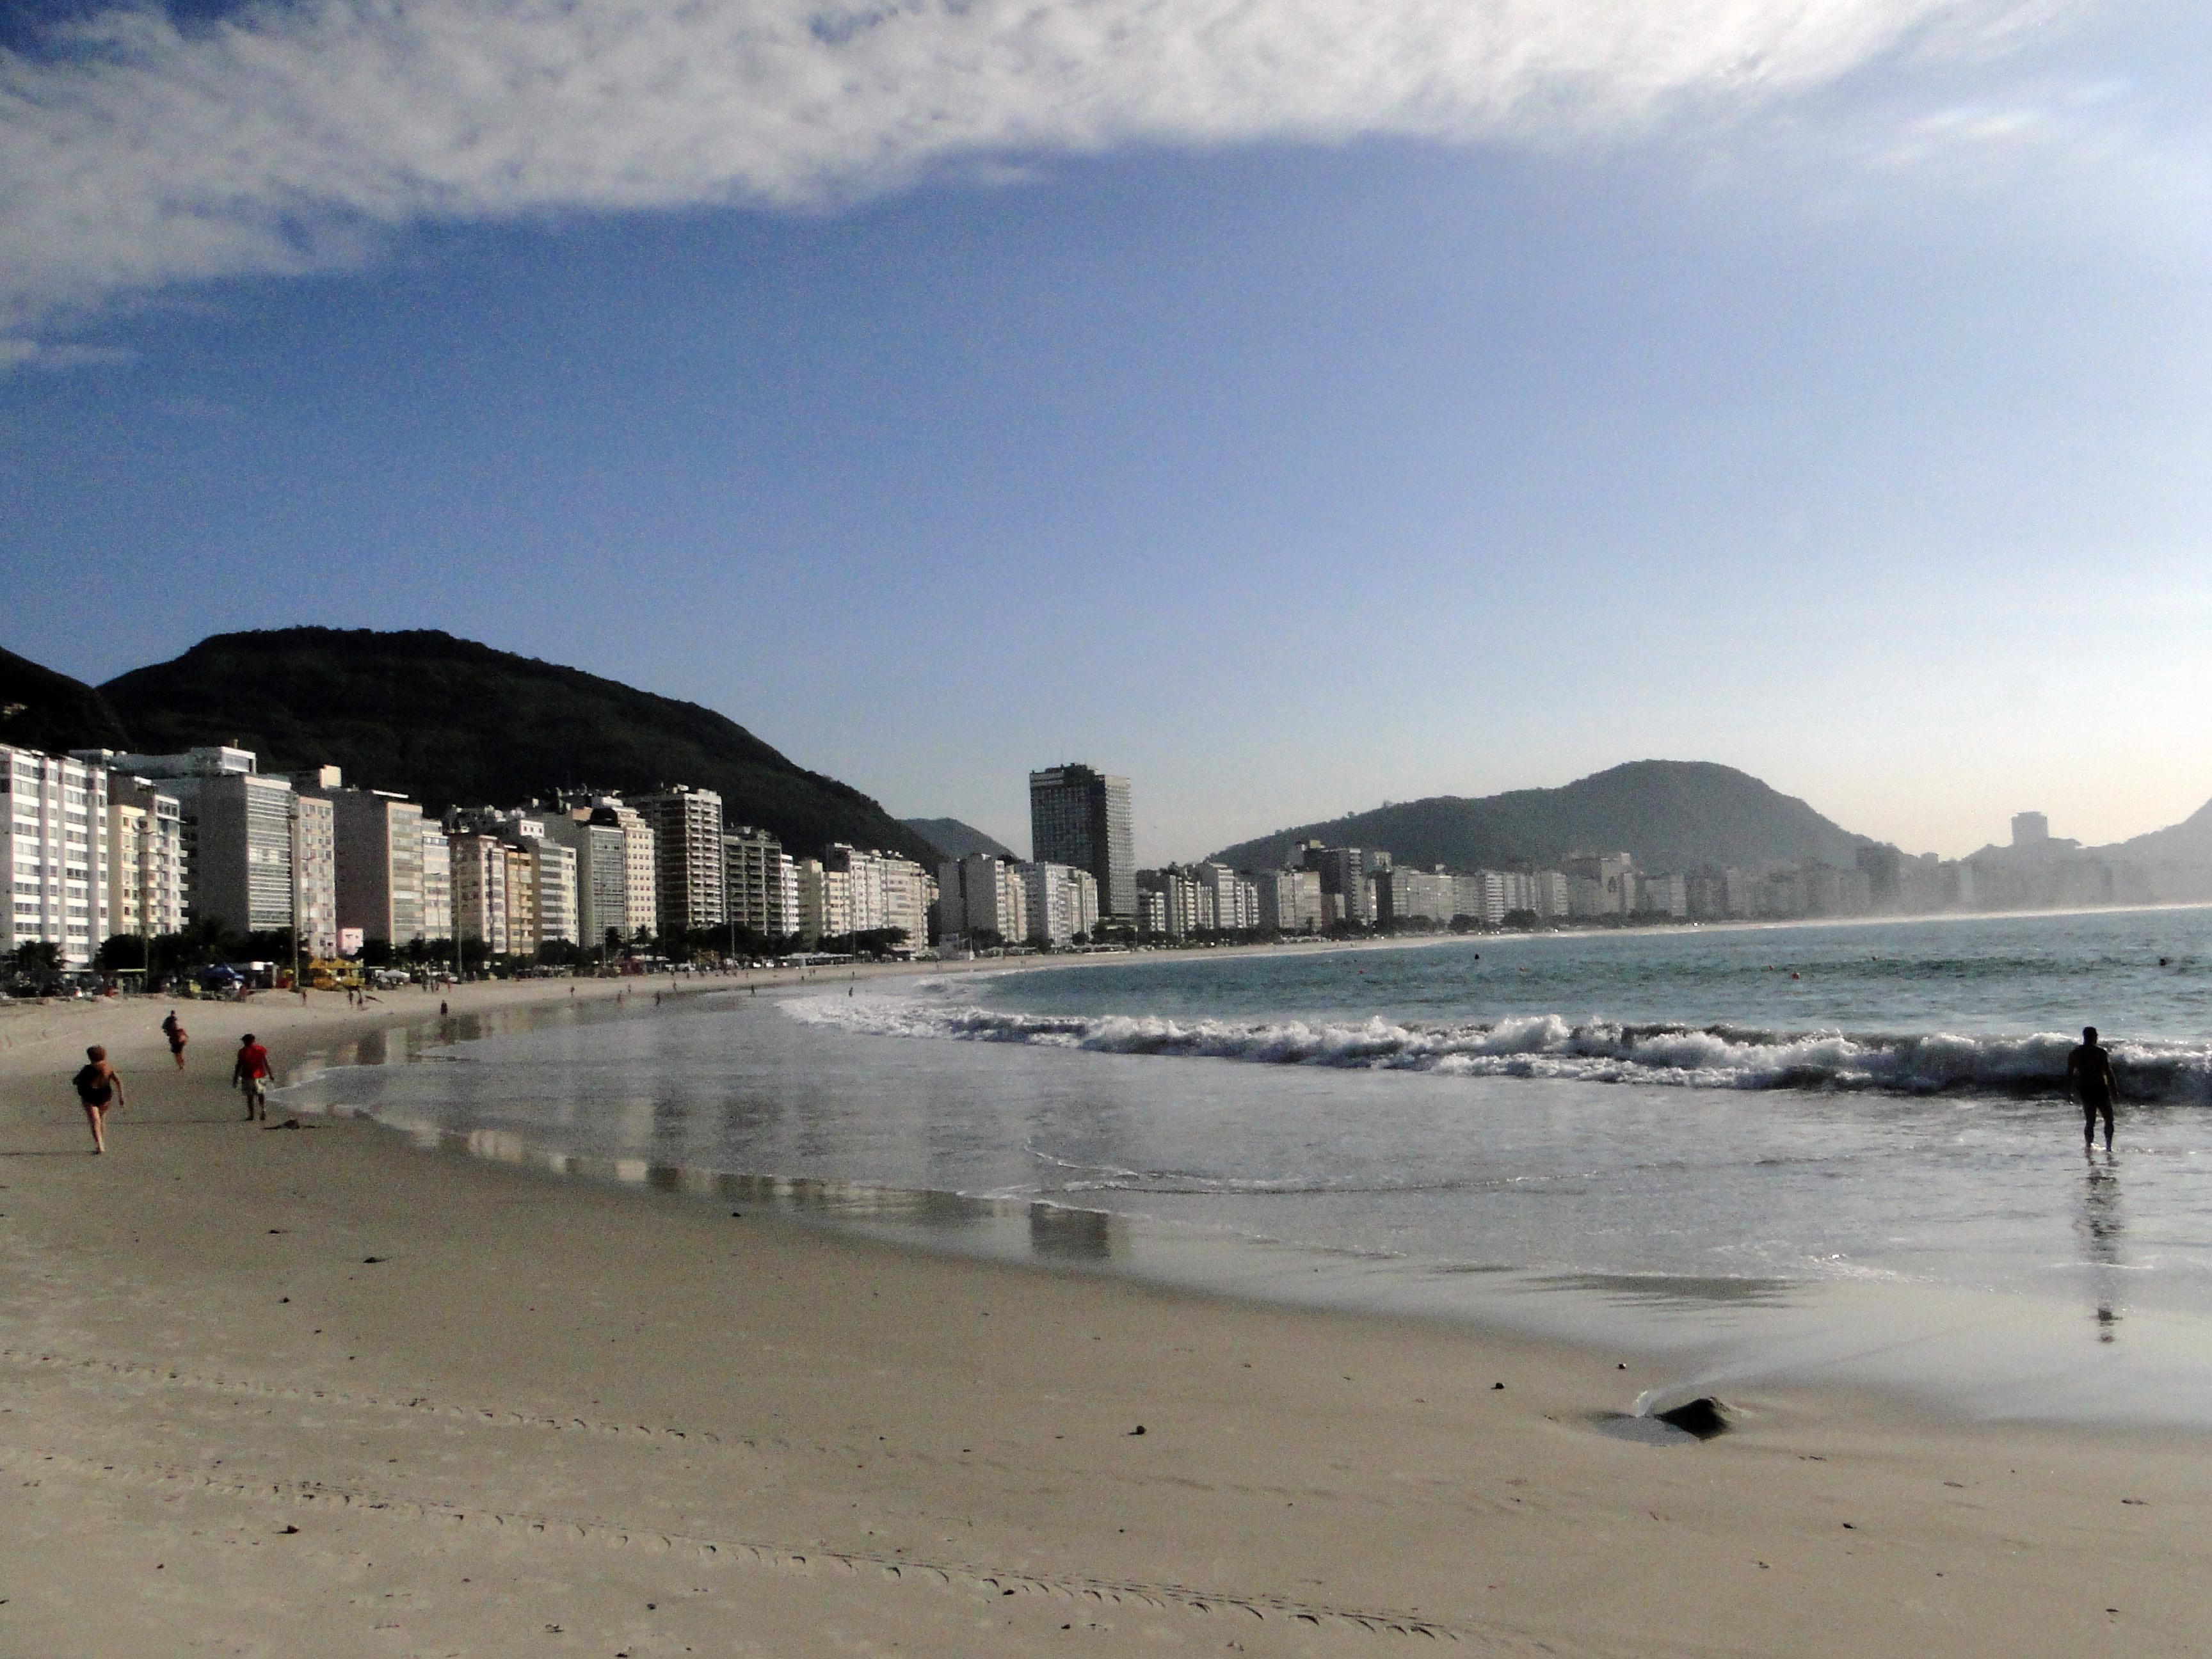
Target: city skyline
{"points": [[1017, 832], [1393, 401]]}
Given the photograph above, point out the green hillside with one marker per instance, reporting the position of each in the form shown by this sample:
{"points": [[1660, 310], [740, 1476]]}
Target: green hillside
{"points": [[450, 722], [41, 709], [1671, 815]]}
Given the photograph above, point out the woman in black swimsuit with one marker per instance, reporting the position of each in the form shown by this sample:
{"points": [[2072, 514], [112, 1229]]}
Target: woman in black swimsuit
{"points": [[99, 1086]]}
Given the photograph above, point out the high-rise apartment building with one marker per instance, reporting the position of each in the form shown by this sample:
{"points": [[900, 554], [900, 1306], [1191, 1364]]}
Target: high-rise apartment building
{"points": [[145, 858], [908, 891], [315, 874], [54, 831], [1665, 895], [521, 899], [553, 872], [641, 881], [602, 874], [1601, 884], [825, 902], [1289, 900], [1187, 904], [1081, 817], [982, 893], [379, 851], [1403, 893], [478, 865], [764, 886], [437, 884], [1344, 878], [1062, 903], [1235, 897], [688, 858], [237, 834]]}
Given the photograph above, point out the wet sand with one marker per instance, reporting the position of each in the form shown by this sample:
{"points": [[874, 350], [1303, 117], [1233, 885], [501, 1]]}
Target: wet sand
{"points": [[285, 1391]]}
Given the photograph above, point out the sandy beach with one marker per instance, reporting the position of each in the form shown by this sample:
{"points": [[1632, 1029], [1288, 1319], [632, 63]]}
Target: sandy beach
{"points": [[281, 1391]]}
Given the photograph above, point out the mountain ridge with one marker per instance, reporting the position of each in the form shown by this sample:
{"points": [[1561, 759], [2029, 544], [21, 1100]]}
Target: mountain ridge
{"points": [[449, 722], [43, 708], [957, 839], [1670, 814]]}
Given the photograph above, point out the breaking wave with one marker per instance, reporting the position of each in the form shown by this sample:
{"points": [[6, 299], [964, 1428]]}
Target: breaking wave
{"points": [[1549, 1047]]}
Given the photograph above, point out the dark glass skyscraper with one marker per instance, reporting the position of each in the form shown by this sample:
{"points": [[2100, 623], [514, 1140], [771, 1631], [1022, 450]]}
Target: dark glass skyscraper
{"points": [[1081, 818]]}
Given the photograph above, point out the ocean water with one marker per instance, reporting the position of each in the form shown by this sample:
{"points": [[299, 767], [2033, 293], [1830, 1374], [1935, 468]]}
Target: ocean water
{"points": [[1838, 1153]]}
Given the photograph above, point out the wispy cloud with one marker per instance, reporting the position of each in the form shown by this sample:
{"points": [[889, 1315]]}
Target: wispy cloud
{"points": [[137, 155]]}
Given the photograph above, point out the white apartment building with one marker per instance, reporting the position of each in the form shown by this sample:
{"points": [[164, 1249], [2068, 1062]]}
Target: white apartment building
{"points": [[1666, 895], [1601, 884], [57, 828], [641, 888], [1480, 895], [1289, 900], [379, 847], [554, 910], [1416, 894], [1053, 895], [908, 891], [1235, 897], [437, 884], [982, 894], [825, 902], [479, 863], [602, 852], [237, 834], [1186, 903], [1151, 914], [881, 890], [545, 904], [145, 858]]}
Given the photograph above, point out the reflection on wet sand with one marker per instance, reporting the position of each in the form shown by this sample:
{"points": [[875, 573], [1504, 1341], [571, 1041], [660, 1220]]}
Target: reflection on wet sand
{"points": [[1673, 1288], [1046, 1231], [2103, 1228]]}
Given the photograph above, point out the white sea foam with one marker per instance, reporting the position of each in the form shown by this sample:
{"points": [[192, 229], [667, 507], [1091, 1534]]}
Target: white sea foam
{"points": [[1549, 1046]]}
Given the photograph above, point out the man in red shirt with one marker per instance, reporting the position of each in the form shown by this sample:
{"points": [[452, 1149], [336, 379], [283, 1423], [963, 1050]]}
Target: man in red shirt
{"points": [[250, 1072]]}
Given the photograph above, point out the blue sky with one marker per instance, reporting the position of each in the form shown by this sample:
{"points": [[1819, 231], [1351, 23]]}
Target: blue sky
{"points": [[1304, 406]]}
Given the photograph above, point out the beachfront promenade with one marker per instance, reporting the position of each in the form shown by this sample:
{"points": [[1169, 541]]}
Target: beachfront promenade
{"points": [[294, 1391]]}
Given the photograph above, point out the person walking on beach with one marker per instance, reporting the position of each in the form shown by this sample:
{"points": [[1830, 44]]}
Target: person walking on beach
{"points": [[99, 1086], [175, 1032], [250, 1072], [2089, 1074]]}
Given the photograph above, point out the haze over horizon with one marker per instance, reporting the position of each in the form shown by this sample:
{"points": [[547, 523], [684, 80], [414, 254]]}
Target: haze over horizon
{"points": [[1292, 406]]}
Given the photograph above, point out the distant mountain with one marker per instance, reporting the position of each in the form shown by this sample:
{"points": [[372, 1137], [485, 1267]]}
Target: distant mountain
{"points": [[41, 709], [2177, 860], [956, 840], [1671, 815], [449, 722]]}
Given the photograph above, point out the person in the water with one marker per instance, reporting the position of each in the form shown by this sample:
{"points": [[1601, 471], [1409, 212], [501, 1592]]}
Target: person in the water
{"points": [[2089, 1074]]}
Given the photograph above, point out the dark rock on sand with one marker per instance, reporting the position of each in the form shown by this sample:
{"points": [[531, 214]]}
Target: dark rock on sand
{"points": [[1704, 1417]]}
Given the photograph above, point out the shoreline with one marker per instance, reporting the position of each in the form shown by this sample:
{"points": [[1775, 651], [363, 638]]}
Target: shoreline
{"points": [[1896, 1340], [510, 1413]]}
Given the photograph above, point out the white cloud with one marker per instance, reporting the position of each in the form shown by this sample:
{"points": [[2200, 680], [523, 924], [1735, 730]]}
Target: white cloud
{"points": [[135, 154]]}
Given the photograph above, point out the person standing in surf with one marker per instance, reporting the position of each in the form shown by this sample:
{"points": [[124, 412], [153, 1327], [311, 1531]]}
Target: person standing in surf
{"points": [[2090, 1075]]}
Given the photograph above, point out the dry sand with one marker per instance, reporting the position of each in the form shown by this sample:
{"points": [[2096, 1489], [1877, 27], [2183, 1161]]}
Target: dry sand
{"points": [[314, 1392]]}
